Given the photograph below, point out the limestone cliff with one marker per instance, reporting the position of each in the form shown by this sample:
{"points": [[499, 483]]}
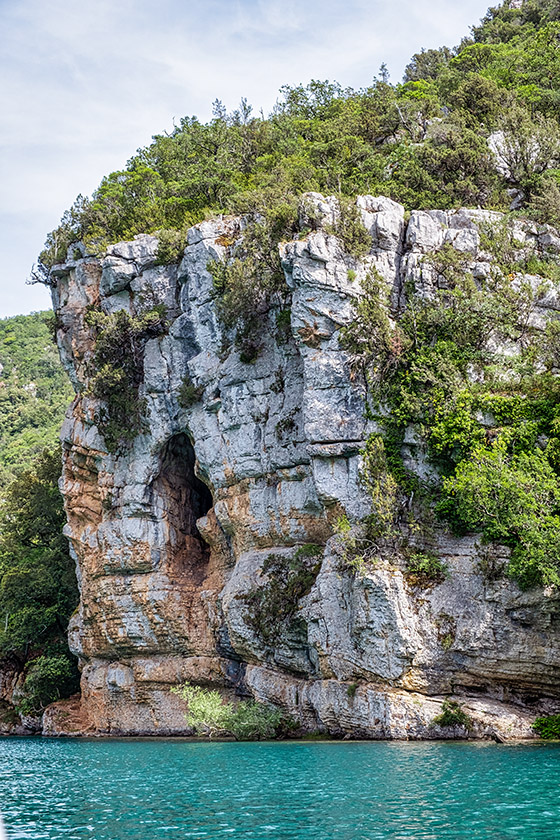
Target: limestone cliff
{"points": [[170, 535]]}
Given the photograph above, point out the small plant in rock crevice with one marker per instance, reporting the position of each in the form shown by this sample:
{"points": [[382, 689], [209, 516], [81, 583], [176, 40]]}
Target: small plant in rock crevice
{"points": [[189, 393], [116, 370], [354, 549], [425, 569], [273, 605], [287, 425], [351, 690]]}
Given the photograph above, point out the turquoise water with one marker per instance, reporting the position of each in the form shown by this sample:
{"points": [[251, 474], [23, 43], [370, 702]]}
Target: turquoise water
{"points": [[146, 790]]}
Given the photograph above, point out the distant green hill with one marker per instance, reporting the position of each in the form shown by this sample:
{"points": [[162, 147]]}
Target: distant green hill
{"points": [[34, 392]]}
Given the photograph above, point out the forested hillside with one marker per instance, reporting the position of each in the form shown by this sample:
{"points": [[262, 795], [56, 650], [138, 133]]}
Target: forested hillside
{"points": [[423, 142], [38, 588], [34, 392]]}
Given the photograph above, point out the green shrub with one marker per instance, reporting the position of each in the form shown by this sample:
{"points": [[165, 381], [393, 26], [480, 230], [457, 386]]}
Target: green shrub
{"points": [[376, 345], [452, 715], [48, 678], [246, 720], [251, 281], [381, 486], [548, 727], [189, 393], [355, 549], [117, 370], [207, 712], [283, 326], [425, 569], [350, 229], [251, 721], [513, 499], [171, 246]]}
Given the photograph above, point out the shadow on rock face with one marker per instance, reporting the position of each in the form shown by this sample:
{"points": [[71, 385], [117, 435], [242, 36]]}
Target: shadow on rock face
{"points": [[185, 499]]}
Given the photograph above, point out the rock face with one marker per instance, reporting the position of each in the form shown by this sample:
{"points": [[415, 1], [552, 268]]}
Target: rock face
{"points": [[170, 535]]}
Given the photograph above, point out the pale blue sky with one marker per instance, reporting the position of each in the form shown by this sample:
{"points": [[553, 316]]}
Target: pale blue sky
{"points": [[87, 82]]}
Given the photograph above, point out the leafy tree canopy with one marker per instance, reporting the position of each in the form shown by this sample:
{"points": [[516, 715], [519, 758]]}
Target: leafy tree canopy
{"points": [[38, 590], [34, 392]]}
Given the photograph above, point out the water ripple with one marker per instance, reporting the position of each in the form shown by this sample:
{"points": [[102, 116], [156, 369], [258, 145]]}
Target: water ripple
{"points": [[144, 790]]}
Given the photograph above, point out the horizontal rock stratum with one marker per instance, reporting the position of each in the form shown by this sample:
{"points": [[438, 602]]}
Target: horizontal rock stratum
{"points": [[170, 534]]}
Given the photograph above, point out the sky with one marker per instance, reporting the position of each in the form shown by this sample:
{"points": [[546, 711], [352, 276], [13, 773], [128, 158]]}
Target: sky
{"points": [[85, 83]]}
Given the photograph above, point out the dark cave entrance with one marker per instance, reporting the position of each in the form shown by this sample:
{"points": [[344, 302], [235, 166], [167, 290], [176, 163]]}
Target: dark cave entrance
{"points": [[184, 499]]}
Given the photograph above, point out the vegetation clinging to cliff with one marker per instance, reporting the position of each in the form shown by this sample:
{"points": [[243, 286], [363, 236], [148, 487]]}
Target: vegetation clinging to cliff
{"points": [[117, 370], [489, 419], [251, 279], [272, 605]]}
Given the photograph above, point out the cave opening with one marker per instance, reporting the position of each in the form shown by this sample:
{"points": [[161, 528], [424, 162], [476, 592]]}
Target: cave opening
{"points": [[185, 498]]}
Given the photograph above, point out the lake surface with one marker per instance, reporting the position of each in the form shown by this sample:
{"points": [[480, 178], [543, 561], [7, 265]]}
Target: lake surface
{"points": [[146, 790]]}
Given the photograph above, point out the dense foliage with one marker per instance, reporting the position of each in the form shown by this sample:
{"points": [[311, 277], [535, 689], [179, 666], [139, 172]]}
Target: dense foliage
{"points": [[488, 418], [38, 590], [34, 392], [548, 727], [452, 715]]}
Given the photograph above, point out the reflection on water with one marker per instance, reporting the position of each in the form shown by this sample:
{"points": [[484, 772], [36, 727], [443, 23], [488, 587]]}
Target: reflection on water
{"points": [[144, 790]]}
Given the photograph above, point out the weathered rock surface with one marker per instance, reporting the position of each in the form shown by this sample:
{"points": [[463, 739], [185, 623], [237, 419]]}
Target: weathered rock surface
{"points": [[11, 682], [170, 536]]}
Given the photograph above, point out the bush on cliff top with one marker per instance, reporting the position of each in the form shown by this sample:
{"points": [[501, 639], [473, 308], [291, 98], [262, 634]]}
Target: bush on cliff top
{"points": [[421, 142]]}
